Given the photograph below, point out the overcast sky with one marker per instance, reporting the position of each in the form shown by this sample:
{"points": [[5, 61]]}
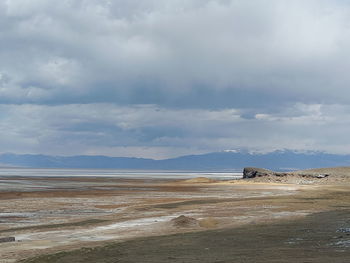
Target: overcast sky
{"points": [[158, 79]]}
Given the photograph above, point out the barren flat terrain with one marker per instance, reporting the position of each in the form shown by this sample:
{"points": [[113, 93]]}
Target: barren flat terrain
{"points": [[138, 220]]}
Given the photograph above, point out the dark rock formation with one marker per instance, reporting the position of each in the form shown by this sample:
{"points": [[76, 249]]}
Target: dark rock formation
{"points": [[7, 239], [298, 177], [252, 172]]}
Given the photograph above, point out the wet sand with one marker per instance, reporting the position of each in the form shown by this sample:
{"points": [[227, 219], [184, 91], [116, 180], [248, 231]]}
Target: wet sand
{"points": [[122, 220]]}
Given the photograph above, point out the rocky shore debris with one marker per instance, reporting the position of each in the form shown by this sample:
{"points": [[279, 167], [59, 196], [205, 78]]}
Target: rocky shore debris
{"points": [[299, 177], [184, 221], [252, 172], [7, 239]]}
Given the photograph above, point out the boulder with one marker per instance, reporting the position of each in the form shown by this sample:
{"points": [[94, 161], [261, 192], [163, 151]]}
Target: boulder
{"points": [[252, 172]]}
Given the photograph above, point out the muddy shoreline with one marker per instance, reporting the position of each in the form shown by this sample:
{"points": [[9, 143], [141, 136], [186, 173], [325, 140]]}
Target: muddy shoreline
{"points": [[94, 213]]}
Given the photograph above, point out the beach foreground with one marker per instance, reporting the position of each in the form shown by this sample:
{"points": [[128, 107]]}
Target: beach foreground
{"points": [[197, 220]]}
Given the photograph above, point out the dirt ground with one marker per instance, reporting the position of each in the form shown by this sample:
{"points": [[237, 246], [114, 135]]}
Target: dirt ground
{"points": [[319, 238], [133, 221]]}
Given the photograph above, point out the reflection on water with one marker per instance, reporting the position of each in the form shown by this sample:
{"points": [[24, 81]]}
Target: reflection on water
{"points": [[20, 179], [132, 174]]}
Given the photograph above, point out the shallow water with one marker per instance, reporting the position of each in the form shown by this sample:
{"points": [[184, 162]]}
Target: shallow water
{"points": [[125, 174]]}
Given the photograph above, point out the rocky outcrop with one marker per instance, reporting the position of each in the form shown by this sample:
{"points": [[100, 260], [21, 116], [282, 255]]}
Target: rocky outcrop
{"points": [[298, 177], [252, 172]]}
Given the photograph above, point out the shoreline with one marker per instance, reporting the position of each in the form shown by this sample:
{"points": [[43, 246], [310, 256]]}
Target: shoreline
{"points": [[118, 203]]}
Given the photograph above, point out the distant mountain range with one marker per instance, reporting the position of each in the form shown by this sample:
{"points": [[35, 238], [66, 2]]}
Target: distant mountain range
{"points": [[218, 161]]}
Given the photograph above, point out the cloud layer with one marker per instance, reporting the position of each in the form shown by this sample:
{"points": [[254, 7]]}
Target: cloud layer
{"points": [[163, 78], [151, 131]]}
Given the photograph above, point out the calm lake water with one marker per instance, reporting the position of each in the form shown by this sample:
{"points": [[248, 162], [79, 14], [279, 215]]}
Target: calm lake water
{"points": [[132, 174]]}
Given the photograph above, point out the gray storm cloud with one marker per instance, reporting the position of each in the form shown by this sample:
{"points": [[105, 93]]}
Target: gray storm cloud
{"points": [[164, 78]]}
